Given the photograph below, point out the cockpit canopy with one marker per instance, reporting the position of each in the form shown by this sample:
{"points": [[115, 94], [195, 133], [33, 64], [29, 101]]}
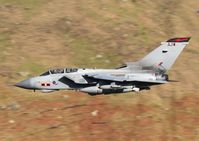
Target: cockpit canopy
{"points": [[59, 71], [69, 70]]}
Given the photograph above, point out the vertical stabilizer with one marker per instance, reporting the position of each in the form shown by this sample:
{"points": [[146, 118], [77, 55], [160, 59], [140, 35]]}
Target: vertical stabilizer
{"points": [[165, 55]]}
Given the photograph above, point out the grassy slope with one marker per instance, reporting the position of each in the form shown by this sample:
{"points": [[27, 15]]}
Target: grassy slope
{"points": [[37, 35]]}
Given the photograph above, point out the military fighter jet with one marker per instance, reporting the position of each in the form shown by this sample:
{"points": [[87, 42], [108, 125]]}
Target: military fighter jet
{"points": [[133, 76]]}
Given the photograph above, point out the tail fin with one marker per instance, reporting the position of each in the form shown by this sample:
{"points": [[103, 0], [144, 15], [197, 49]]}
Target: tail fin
{"points": [[165, 55]]}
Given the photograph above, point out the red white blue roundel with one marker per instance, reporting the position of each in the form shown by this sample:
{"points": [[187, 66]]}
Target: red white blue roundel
{"points": [[55, 83]]}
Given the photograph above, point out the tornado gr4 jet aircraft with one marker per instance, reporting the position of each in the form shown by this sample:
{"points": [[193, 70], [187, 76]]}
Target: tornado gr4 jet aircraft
{"points": [[133, 76]]}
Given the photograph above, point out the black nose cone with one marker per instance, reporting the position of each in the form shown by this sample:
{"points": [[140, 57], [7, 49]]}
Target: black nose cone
{"points": [[26, 84]]}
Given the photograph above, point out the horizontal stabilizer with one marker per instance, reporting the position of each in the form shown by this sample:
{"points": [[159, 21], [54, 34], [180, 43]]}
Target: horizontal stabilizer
{"points": [[151, 81]]}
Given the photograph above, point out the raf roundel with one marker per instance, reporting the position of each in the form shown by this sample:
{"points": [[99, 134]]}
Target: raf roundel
{"points": [[55, 83]]}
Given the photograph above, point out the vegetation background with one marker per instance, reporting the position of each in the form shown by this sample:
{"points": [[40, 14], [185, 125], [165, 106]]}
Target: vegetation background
{"points": [[36, 35]]}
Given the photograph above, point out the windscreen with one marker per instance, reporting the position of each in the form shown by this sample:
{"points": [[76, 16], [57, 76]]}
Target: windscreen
{"points": [[45, 73]]}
